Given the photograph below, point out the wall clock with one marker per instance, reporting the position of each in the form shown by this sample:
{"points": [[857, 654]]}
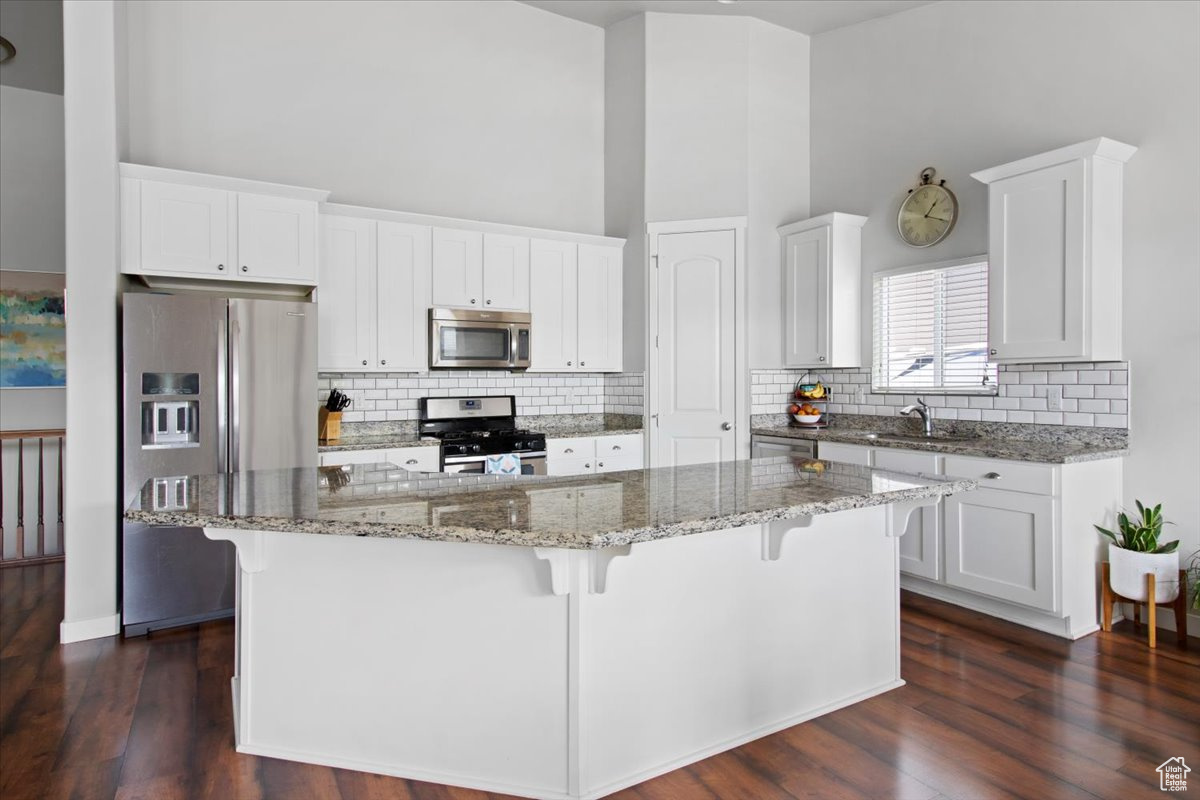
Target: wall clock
{"points": [[928, 214]]}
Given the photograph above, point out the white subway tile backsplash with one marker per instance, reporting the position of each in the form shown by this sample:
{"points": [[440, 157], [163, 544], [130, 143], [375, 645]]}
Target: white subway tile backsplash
{"points": [[1025, 394]]}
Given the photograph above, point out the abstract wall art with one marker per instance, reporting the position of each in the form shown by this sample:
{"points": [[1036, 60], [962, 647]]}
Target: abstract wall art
{"points": [[32, 330]]}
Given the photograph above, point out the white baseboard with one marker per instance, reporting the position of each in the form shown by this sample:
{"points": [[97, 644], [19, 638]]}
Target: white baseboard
{"points": [[80, 630]]}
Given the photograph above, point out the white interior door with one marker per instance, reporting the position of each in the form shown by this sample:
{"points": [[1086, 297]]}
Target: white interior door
{"points": [[696, 373]]}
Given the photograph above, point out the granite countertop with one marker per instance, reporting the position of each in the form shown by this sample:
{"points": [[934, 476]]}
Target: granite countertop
{"points": [[1062, 446], [555, 427], [381, 500]]}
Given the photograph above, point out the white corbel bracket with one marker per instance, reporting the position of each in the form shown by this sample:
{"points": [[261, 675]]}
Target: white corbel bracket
{"points": [[900, 511], [561, 562], [774, 531], [250, 545]]}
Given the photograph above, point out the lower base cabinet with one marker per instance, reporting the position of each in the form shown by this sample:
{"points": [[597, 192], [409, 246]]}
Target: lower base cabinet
{"points": [[1020, 547], [414, 459], [585, 455]]}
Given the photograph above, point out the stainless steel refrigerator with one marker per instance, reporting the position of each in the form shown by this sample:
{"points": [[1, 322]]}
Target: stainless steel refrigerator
{"points": [[212, 385]]}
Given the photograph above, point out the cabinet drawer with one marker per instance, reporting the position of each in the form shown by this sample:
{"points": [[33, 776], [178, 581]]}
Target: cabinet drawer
{"points": [[338, 457], [416, 459], [846, 453], [575, 448], [623, 446], [1013, 476]]}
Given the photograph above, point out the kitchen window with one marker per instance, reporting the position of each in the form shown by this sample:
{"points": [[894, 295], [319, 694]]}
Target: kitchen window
{"points": [[930, 330]]}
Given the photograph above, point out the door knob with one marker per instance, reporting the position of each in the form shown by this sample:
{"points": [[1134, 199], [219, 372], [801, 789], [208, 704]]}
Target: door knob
{"points": [[726, 426]]}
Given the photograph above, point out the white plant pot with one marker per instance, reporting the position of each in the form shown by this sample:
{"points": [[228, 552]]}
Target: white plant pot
{"points": [[1127, 572]]}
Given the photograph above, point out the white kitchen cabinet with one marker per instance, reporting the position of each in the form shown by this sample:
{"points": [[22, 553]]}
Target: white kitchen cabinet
{"points": [[277, 238], [346, 298], [485, 271], [584, 455], [575, 300], [374, 295], [183, 225], [553, 304], [920, 546], [403, 296], [505, 272], [184, 229], [822, 276], [1054, 254], [457, 268], [846, 453], [413, 459], [1002, 544]]}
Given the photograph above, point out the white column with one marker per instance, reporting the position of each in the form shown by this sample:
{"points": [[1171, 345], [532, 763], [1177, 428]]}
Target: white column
{"points": [[92, 482]]}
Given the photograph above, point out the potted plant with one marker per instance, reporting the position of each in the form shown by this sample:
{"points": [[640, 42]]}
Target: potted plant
{"points": [[1193, 575], [1136, 552]]}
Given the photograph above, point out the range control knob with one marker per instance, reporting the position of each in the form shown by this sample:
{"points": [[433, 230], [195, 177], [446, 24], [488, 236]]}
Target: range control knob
{"points": [[476, 448]]}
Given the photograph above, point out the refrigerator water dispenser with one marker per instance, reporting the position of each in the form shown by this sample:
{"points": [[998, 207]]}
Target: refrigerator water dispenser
{"points": [[170, 423]]}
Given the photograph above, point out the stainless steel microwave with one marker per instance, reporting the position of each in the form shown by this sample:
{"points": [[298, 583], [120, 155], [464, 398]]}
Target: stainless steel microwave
{"points": [[462, 338]]}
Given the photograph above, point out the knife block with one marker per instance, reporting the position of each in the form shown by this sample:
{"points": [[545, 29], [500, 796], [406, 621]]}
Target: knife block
{"points": [[329, 425]]}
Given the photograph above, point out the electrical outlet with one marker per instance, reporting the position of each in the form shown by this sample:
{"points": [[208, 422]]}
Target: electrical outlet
{"points": [[1054, 398]]}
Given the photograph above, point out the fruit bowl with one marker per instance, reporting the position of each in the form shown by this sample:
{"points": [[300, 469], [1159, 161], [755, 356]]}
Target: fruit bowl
{"points": [[806, 419]]}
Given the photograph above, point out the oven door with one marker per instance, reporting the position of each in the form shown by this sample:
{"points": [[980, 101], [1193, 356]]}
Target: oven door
{"points": [[531, 464]]}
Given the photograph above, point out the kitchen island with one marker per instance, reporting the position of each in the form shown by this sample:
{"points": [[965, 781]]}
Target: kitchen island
{"points": [[552, 637]]}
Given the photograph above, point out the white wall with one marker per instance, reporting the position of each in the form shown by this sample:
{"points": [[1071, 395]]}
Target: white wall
{"points": [[966, 85], [482, 110], [777, 174], [625, 171], [92, 104], [31, 222]]}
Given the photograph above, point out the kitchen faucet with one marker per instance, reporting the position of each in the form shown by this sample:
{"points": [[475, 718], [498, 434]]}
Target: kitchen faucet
{"points": [[925, 412]]}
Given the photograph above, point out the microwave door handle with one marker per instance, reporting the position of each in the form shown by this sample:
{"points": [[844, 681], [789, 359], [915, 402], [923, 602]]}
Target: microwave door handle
{"points": [[513, 339]]}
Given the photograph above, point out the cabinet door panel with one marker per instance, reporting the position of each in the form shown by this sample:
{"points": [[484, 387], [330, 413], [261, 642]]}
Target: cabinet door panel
{"points": [[276, 238], [404, 296], [806, 295], [1001, 544], [1036, 264], [184, 229], [847, 453], [345, 297], [505, 272], [457, 268], [570, 466], [919, 552], [552, 303], [600, 311]]}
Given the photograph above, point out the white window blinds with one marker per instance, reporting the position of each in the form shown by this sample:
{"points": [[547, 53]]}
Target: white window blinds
{"points": [[931, 331]]}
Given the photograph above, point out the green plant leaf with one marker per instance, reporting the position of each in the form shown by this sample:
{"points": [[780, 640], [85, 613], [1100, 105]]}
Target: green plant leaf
{"points": [[1107, 533], [1169, 547]]}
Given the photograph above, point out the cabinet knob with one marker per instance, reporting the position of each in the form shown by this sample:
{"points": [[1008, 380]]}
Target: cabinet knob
{"points": [[383, 362], [601, 464], [995, 476], [587, 466], [472, 301], [221, 267], [820, 358], [488, 302], [568, 363], [364, 362], [582, 364], [569, 450], [992, 351], [411, 461], [616, 447]]}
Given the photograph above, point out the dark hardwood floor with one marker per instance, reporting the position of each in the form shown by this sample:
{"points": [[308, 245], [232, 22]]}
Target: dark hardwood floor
{"points": [[991, 710]]}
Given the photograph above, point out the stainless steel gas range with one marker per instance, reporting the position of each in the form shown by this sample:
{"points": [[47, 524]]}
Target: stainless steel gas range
{"points": [[473, 428]]}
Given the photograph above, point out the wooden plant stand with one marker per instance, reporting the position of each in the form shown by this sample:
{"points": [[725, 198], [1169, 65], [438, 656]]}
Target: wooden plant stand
{"points": [[1179, 605]]}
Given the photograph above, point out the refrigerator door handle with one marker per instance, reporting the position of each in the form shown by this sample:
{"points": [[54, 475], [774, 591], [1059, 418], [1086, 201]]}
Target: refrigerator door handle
{"points": [[222, 395], [235, 336]]}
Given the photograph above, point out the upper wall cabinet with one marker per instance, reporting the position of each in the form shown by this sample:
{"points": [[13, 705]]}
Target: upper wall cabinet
{"points": [[480, 270], [374, 295], [1054, 254], [575, 301], [183, 225], [822, 276]]}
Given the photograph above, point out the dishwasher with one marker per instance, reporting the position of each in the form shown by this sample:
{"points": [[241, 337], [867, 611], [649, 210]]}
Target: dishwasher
{"points": [[767, 446]]}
